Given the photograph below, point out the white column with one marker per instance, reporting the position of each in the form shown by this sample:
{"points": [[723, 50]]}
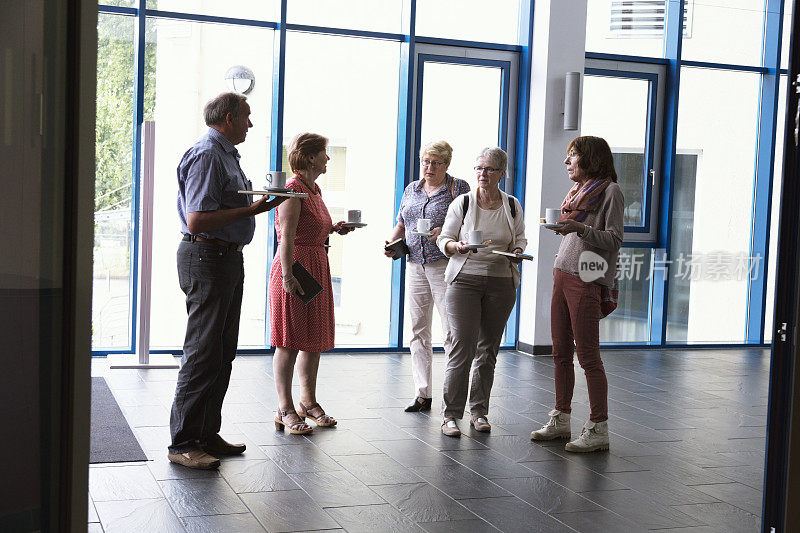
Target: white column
{"points": [[559, 36]]}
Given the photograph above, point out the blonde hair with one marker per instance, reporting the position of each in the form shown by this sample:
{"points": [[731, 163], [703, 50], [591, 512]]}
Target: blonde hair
{"points": [[302, 147], [438, 148]]}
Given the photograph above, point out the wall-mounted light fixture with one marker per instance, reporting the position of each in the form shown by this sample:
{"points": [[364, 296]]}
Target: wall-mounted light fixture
{"points": [[240, 79], [572, 92]]}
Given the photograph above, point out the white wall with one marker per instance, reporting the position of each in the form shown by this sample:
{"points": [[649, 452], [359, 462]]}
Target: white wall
{"points": [[555, 52]]}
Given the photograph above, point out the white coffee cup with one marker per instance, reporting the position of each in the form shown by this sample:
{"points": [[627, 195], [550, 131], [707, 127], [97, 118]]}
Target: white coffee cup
{"points": [[475, 237], [276, 179], [423, 225], [552, 216], [354, 215]]}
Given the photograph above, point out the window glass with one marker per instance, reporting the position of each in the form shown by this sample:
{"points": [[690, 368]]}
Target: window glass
{"points": [[349, 94], [713, 194], [629, 321], [469, 20], [123, 3], [626, 27], [617, 110], [774, 229], [384, 16], [244, 9], [725, 31], [786, 38], [187, 69], [111, 302]]}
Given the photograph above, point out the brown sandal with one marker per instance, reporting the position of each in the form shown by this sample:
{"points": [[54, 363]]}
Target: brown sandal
{"points": [[318, 416], [291, 421]]}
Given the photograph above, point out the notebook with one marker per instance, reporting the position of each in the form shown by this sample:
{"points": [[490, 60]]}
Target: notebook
{"points": [[311, 287], [399, 248]]}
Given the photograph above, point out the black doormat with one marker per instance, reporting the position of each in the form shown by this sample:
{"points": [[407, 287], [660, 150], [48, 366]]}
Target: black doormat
{"points": [[111, 438]]}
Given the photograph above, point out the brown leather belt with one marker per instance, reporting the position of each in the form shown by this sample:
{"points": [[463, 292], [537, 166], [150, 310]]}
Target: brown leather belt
{"points": [[218, 242]]}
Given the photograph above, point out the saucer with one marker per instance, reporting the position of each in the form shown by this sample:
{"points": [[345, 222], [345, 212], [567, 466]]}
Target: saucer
{"points": [[475, 246], [422, 234], [552, 226], [354, 224], [278, 189], [516, 256]]}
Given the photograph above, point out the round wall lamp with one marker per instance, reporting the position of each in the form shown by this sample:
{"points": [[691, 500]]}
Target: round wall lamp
{"points": [[240, 79]]}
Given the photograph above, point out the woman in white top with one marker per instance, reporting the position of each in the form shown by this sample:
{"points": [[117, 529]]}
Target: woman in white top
{"points": [[481, 288]]}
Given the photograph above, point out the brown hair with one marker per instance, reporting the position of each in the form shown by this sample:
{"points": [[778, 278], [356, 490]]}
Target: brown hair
{"points": [[594, 157], [218, 108], [302, 147]]}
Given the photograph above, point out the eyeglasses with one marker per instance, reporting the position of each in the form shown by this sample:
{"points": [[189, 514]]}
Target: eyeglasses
{"points": [[434, 164], [489, 170]]}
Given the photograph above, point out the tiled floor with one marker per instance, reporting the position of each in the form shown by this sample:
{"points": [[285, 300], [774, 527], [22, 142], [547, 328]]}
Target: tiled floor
{"points": [[687, 452]]}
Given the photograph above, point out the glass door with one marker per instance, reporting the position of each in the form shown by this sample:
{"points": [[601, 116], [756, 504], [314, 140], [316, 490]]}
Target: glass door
{"points": [[464, 96], [621, 103]]}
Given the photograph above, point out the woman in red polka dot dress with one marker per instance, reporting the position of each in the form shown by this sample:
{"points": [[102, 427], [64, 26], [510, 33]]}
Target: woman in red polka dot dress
{"points": [[301, 331]]}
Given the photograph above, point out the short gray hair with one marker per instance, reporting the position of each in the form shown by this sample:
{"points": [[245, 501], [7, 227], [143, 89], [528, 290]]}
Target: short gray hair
{"points": [[438, 148], [498, 156], [218, 108]]}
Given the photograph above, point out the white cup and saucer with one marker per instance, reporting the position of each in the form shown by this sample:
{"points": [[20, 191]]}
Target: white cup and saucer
{"points": [[475, 240], [423, 227], [354, 219], [551, 219], [276, 181]]}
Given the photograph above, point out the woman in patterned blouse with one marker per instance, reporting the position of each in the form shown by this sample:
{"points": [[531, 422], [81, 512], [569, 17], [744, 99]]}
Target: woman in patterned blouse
{"points": [[426, 198]]}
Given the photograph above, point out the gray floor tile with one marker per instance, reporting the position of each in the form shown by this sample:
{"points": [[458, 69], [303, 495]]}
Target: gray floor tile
{"points": [[512, 515], [489, 463], [413, 452], [136, 516], [660, 488], [377, 469], [255, 476], [201, 497], [574, 476], [341, 442], [737, 494], [288, 510], [304, 458], [459, 526], [546, 495], [122, 483], [648, 513], [601, 521], [422, 502], [723, 516], [368, 518], [229, 523], [459, 482], [336, 489]]}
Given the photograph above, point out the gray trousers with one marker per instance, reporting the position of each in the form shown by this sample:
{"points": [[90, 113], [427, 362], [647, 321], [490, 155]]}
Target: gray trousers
{"points": [[478, 308], [212, 277]]}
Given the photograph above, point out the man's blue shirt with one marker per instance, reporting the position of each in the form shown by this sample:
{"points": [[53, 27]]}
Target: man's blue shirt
{"points": [[208, 177]]}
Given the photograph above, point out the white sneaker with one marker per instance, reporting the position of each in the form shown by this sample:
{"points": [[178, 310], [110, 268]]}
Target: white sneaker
{"points": [[557, 428], [594, 436]]}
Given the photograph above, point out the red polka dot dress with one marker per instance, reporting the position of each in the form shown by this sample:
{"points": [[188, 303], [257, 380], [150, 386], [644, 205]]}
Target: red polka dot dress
{"points": [[295, 325]]}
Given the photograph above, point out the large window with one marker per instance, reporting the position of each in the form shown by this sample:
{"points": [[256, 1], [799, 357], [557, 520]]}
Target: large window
{"points": [[113, 227], [349, 94], [191, 59], [712, 214]]}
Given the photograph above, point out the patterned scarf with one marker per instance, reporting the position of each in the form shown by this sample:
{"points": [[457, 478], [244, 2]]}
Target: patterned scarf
{"points": [[583, 198]]}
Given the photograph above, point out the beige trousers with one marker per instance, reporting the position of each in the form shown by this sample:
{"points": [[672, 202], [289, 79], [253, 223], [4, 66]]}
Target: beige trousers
{"points": [[425, 287], [479, 307]]}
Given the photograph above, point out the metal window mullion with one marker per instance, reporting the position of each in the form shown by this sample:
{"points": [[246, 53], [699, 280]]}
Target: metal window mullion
{"points": [[673, 40], [138, 119], [764, 171], [402, 174], [276, 146]]}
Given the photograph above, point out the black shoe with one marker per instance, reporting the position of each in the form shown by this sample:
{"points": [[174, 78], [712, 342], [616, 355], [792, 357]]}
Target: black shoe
{"points": [[419, 404]]}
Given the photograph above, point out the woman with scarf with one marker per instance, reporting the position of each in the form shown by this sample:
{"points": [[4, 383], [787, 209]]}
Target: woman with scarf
{"points": [[591, 218]]}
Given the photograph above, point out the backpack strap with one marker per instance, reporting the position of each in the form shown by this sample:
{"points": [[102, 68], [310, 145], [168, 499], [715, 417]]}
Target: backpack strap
{"points": [[465, 206], [512, 206], [453, 188]]}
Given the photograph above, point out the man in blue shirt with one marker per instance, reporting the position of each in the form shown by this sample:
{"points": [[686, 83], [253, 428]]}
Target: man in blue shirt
{"points": [[217, 222]]}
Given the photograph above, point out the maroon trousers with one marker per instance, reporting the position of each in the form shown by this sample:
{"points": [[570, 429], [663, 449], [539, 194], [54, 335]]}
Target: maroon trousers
{"points": [[575, 325]]}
